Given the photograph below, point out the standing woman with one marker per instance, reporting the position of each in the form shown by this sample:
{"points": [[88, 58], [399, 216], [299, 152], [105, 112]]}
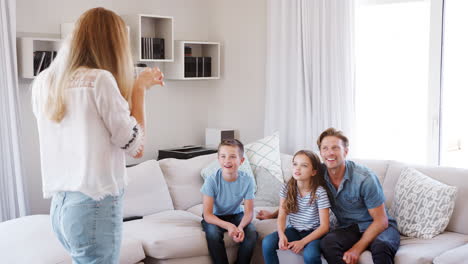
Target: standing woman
{"points": [[90, 113]]}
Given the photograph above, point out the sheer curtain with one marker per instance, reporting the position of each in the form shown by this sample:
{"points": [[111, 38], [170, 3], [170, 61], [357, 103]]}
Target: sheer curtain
{"points": [[310, 72], [12, 196]]}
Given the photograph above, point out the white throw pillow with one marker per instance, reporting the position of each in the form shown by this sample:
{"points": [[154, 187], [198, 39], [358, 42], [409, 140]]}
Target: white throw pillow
{"points": [[265, 153], [214, 166], [422, 206]]}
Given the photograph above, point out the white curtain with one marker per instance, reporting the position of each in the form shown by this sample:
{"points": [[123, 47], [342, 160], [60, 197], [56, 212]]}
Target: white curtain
{"points": [[310, 70], [12, 196]]}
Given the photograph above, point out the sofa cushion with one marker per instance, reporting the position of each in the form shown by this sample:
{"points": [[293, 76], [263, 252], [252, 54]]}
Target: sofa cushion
{"points": [[171, 234], [268, 188], [453, 256], [196, 210], [265, 153], [417, 250], [147, 192], [422, 206], [286, 166], [184, 181], [450, 176], [32, 240], [379, 167]]}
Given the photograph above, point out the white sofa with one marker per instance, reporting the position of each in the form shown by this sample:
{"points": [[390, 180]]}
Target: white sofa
{"points": [[166, 194]]}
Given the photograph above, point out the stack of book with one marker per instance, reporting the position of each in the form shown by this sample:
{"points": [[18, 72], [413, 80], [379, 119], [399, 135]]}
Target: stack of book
{"points": [[42, 60], [197, 67], [152, 48]]}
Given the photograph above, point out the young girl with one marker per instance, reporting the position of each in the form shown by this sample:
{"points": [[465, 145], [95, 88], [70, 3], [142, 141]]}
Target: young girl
{"points": [[306, 202]]}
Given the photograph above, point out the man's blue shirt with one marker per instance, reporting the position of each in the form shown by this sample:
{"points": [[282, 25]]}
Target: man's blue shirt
{"points": [[359, 191], [228, 196]]}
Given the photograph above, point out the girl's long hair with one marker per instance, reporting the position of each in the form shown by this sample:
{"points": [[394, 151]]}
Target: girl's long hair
{"points": [[290, 204], [99, 41]]}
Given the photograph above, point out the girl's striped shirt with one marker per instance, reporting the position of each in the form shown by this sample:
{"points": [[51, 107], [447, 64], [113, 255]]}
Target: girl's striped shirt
{"points": [[307, 216]]}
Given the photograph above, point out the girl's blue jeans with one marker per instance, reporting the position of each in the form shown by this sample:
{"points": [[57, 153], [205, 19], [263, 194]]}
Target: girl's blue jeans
{"points": [[311, 251]]}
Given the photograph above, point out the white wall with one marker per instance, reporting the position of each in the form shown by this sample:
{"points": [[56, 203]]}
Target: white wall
{"points": [[178, 113]]}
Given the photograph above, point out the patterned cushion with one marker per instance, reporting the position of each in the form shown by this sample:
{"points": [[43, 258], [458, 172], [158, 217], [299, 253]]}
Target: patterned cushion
{"points": [[214, 166], [422, 206], [265, 153]]}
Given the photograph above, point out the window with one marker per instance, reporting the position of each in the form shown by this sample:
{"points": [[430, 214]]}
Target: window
{"points": [[454, 106], [392, 95], [412, 81]]}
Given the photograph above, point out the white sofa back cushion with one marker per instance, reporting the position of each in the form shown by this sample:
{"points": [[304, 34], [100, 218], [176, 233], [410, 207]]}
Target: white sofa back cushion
{"points": [[183, 179], [147, 192]]}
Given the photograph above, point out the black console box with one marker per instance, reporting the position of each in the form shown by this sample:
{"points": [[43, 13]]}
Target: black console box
{"points": [[186, 152]]}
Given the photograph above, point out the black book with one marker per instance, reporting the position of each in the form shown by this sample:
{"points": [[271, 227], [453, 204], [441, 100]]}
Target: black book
{"points": [[158, 48], [37, 60], [142, 48], [190, 67], [206, 66], [46, 61], [199, 66], [40, 64]]}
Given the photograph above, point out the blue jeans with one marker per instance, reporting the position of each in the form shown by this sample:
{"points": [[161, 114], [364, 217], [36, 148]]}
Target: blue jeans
{"points": [[91, 231], [215, 235], [383, 248], [311, 251]]}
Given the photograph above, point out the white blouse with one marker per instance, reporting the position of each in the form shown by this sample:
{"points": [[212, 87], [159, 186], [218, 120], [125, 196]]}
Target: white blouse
{"points": [[85, 152]]}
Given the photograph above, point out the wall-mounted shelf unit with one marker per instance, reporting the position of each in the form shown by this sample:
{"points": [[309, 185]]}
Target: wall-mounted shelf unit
{"points": [[27, 46], [190, 61], [146, 34]]}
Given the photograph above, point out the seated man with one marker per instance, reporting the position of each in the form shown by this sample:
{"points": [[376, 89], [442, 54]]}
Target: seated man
{"points": [[357, 201]]}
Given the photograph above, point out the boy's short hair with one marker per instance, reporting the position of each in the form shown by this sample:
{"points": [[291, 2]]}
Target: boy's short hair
{"points": [[334, 133], [233, 143]]}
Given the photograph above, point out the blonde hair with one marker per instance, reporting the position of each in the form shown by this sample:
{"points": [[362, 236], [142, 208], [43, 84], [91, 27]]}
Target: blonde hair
{"points": [[99, 41]]}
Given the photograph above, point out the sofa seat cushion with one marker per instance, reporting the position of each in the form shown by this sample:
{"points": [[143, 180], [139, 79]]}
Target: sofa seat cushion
{"points": [[32, 240], [171, 234], [453, 256], [416, 250], [196, 210]]}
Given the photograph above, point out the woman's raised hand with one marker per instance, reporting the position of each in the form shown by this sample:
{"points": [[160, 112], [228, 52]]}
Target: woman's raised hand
{"points": [[149, 77]]}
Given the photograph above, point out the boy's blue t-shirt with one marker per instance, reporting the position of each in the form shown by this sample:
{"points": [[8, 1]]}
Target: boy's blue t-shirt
{"points": [[228, 196]]}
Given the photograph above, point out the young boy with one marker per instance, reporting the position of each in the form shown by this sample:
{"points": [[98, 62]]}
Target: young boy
{"points": [[223, 193]]}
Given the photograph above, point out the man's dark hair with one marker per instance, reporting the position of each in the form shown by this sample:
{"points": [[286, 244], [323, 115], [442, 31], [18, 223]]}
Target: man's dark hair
{"points": [[233, 143]]}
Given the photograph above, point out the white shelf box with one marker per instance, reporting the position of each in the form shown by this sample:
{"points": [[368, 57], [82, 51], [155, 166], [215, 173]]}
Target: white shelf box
{"points": [[199, 49], [26, 46], [151, 27]]}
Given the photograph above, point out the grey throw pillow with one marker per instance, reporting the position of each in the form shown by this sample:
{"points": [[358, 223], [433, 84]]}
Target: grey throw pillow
{"points": [[422, 206]]}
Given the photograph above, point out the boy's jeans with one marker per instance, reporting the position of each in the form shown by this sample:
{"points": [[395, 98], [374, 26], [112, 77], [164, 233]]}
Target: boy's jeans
{"points": [[91, 231], [215, 235]]}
